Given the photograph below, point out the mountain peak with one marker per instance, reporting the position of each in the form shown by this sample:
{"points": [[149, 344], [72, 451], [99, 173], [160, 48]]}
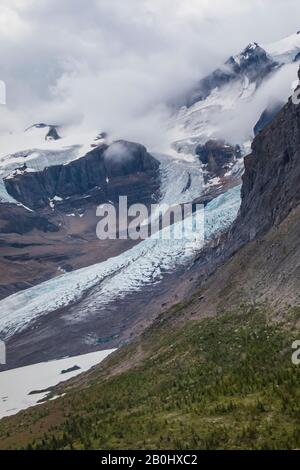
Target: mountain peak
{"points": [[252, 46], [253, 50], [253, 63]]}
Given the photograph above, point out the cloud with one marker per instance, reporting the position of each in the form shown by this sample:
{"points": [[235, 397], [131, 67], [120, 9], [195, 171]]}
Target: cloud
{"points": [[118, 152], [237, 126], [116, 65]]}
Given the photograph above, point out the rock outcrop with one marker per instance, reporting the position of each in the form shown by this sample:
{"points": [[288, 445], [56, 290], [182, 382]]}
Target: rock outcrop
{"points": [[253, 63], [19, 220], [52, 134], [270, 190], [218, 156], [105, 169], [271, 187], [297, 57], [267, 117]]}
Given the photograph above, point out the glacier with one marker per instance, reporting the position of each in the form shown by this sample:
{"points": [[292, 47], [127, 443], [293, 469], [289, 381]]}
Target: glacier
{"points": [[142, 265], [229, 112]]}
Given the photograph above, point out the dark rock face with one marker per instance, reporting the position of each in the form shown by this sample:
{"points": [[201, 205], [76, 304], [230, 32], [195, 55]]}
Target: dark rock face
{"points": [[52, 134], [271, 180], [17, 219], [103, 169], [218, 156], [267, 117], [216, 79], [270, 191], [253, 63], [297, 57]]}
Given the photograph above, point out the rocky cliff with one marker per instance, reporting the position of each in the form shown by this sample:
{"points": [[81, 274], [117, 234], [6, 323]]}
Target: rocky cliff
{"points": [[270, 191], [217, 156], [19, 220], [267, 117], [105, 168], [270, 187], [253, 64]]}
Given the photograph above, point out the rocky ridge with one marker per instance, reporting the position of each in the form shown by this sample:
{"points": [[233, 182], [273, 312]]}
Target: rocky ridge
{"points": [[104, 169]]}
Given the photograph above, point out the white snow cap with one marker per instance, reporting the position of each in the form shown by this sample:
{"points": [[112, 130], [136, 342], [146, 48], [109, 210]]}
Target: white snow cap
{"points": [[285, 49]]}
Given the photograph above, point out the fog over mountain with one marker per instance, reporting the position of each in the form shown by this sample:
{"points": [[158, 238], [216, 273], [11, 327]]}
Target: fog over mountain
{"points": [[117, 66]]}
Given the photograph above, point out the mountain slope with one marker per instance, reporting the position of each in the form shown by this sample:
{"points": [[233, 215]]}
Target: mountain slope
{"points": [[270, 189], [215, 371], [191, 382], [215, 117], [227, 104], [252, 64], [55, 230]]}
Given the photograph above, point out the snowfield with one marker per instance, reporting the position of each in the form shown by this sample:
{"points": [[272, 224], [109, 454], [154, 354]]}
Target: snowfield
{"points": [[284, 50], [17, 384], [30, 147]]}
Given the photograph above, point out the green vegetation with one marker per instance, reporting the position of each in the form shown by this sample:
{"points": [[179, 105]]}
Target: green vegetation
{"points": [[221, 383]]}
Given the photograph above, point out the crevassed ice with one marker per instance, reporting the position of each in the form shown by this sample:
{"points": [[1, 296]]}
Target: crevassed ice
{"points": [[142, 265]]}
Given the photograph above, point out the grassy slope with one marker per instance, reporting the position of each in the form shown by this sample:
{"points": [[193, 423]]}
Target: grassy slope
{"points": [[225, 382]]}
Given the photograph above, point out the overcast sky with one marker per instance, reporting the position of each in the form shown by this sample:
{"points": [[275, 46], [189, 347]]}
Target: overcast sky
{"points": [[112, 64]]}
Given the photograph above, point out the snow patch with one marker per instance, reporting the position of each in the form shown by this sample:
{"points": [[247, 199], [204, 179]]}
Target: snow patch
{"points": [[17, 384]]}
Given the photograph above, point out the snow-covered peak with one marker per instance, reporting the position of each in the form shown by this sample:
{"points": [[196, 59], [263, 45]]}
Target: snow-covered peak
{"points": [[247, 52], [253, 46], [20, 147], [252, 57], [36, 151], [286, 49], [253, 64]]}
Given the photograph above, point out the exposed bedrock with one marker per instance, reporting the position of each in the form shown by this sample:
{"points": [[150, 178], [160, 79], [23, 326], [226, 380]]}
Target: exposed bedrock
{"points": [[105, 168], [267, 117], [218, 156], [271, 187], [19, 220], [253, 63]]}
